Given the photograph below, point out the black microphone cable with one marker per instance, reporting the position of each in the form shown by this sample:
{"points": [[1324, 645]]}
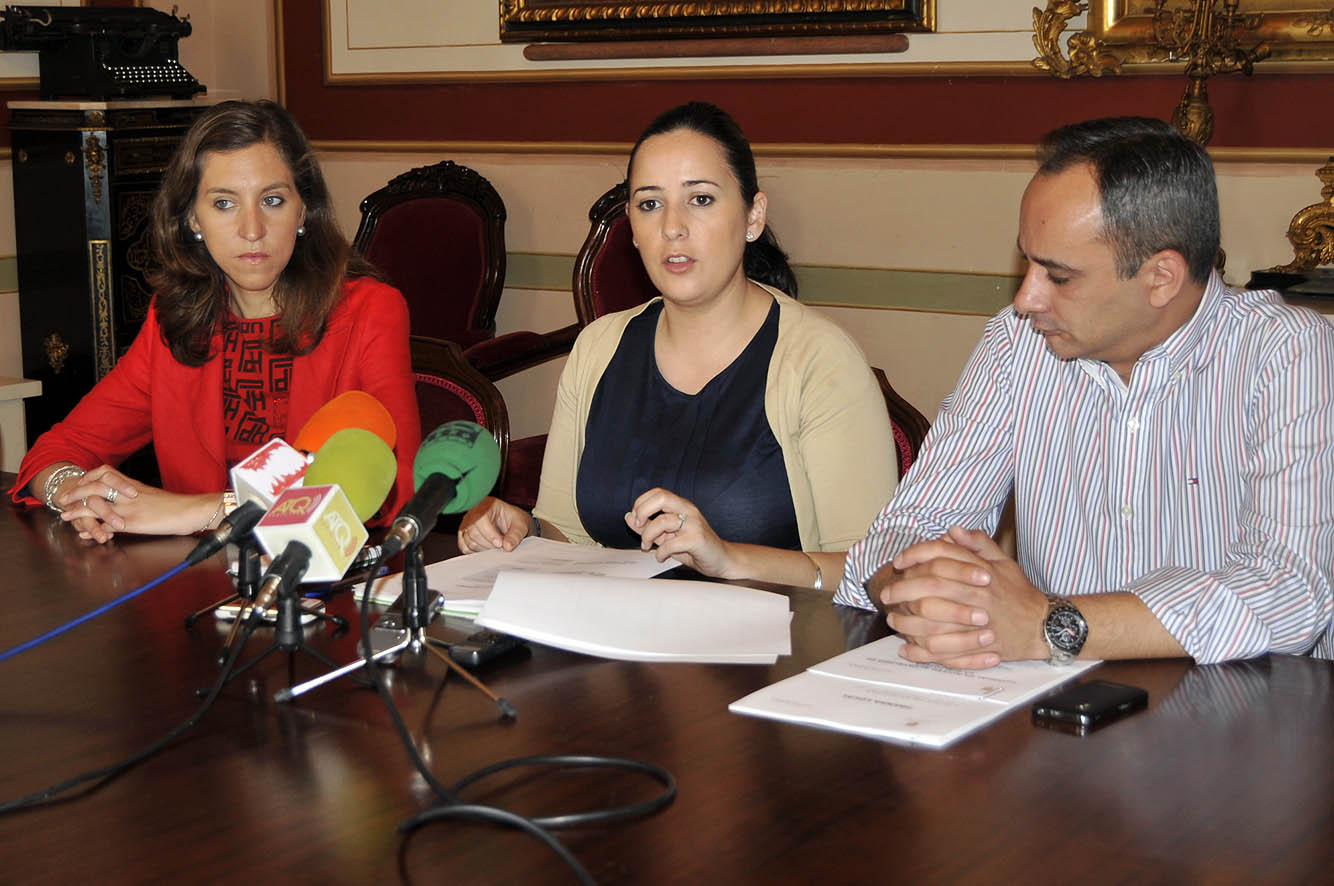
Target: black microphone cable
{"points": [[453, 808], [106, 774]]}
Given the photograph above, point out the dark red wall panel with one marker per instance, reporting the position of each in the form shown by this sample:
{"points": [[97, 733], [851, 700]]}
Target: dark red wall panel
{"points": [[1262, 111]]}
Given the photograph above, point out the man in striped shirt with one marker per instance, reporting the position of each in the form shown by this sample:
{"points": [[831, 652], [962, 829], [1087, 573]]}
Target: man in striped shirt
{"points": [[1169, 441]]}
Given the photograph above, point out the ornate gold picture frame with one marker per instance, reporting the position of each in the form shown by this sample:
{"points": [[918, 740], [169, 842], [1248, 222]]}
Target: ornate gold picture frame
{"points": [[527, 21], [1294, 31], [1209, 36]]}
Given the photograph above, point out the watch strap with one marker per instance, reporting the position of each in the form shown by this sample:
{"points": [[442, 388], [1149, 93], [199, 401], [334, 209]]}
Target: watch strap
{"points": [[1061, 615]]}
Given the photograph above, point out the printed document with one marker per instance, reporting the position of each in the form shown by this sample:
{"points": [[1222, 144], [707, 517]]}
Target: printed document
{"points": [[871, 691], [466, 581], [640, 620]]}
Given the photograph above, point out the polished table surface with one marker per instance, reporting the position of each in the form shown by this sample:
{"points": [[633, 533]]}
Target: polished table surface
{"points": [[1227, 778]]}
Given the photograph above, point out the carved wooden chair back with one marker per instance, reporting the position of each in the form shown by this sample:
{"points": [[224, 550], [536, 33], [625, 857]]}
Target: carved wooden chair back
{"points": [[910, 426], [450, 389], [438, 234], [608, 273]]}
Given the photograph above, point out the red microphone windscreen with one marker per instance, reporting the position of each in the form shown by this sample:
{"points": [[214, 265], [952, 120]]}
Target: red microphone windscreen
{"points": [[350, 409]]}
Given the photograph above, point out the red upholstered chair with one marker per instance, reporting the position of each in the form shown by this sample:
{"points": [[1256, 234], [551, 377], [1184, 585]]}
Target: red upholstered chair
{"points": [[438, 234], [909, 425], [608, 273], [450, 389]]}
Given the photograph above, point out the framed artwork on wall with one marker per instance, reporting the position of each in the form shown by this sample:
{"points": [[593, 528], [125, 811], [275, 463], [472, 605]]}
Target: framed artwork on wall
{"points": [[530, 21], [1132, 29]]}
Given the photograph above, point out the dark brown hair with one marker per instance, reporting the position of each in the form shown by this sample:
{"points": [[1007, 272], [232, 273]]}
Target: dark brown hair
{"points": [[764, 260], [1157, 187], [191, 290]]}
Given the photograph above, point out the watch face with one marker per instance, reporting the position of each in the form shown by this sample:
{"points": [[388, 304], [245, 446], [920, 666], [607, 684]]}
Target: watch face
{"points": [[1066, 629]]}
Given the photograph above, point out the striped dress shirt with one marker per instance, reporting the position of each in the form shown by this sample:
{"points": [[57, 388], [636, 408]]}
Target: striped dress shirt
{"points": [[1205, 486]]}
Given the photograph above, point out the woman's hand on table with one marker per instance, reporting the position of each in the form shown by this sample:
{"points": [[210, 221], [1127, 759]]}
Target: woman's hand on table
{"points": [[104, 501], [671, 526], [493, 523]]}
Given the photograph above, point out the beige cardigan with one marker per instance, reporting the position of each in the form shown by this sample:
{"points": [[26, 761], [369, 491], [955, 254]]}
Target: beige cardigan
{"points": [[823, 405]]}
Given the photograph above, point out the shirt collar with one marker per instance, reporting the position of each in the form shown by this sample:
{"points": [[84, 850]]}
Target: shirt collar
{"points": [[1186, 348]]}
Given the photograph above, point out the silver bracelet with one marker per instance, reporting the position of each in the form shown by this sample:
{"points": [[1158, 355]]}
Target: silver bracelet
{"points": [[819, 576], [53, 481], [208, 524]]}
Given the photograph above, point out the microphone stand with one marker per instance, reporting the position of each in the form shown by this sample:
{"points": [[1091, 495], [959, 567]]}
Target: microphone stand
{"points": [[248, 572], [289, 635], [247, 579], [420, 604]]}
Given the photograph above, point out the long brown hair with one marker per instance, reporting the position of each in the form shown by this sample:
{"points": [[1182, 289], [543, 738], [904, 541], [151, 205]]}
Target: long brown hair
{"points": [[191, 290]]}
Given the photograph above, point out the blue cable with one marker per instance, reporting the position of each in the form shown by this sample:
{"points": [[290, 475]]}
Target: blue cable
{"points": [[24, 647]]}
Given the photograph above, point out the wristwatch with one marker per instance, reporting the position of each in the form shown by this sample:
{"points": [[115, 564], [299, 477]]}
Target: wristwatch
{"points": [[1064, 629]]}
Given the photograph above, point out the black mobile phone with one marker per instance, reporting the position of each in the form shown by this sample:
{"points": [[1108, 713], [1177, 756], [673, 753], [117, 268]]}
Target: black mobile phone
{"points": [[483, 646], [1086, 706]]}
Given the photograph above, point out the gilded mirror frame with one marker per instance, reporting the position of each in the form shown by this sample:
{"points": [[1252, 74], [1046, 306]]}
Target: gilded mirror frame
{"points": [[530, 21], [1294, 31]]}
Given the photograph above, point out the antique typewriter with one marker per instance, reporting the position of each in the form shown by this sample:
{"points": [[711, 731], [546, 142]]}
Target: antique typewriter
{"points": [[101, 52]]}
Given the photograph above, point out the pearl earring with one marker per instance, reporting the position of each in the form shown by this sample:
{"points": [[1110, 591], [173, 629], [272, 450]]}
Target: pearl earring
{"points": [[301, 231], [750, 236], [199, 235]]}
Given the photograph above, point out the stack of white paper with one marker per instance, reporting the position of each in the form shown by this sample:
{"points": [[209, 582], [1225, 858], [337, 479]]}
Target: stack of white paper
{"points": [[641, 620], [465, 581], [871, 691]]}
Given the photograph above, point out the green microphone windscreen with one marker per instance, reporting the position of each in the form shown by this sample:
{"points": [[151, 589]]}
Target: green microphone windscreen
{"points": [[465, 452], [361, 463]]}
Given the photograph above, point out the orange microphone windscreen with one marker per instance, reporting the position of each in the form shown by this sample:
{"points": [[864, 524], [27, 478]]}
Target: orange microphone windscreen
{"points": [[350, 409]]}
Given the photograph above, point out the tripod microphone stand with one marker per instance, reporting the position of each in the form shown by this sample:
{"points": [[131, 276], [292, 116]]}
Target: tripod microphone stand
{"points": [[279, 587], [419, 605], [288, 635], [247, 579], [248, 572]]}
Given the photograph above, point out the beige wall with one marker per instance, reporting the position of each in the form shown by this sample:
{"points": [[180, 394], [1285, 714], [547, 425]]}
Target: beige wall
{"points": [[231, 48], [939, 214], [928, 214], [949, 215], [462, 37]]}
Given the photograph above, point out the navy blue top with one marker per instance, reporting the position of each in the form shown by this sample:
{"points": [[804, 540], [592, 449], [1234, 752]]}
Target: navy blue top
{"points": [[714, 448]]}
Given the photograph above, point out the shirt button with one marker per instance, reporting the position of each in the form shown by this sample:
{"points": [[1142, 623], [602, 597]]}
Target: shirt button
{"points": [[1133, 424], [1127, 512]]}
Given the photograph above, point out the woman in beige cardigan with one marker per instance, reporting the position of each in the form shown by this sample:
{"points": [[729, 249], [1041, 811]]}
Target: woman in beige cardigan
{"points": [[723, 424]]}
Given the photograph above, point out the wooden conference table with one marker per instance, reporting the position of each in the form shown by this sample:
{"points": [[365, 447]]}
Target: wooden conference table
{"points": [[1227, 778]]}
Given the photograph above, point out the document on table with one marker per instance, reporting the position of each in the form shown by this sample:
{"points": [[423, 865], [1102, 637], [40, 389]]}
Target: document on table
{"points": [[641, 620], [871, 691], [466, 581]]}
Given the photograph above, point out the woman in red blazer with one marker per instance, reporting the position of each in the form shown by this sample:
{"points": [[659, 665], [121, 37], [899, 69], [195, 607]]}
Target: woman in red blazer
{"points": [[261, 315]]}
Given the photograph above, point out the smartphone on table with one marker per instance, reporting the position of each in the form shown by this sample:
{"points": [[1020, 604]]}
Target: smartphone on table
{"points": [[1087, 706]]}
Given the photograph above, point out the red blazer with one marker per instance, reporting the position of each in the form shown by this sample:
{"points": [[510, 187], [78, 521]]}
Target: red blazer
{"points": [[149, 395]]}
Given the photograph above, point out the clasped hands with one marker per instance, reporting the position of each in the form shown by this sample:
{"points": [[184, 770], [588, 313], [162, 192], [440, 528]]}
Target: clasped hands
{"points": [[959, 601], [104, 501]]}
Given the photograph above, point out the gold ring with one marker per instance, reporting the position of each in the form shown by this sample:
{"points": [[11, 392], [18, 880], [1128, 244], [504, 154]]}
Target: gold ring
{"points": [[85, 501], [682, 515]]}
